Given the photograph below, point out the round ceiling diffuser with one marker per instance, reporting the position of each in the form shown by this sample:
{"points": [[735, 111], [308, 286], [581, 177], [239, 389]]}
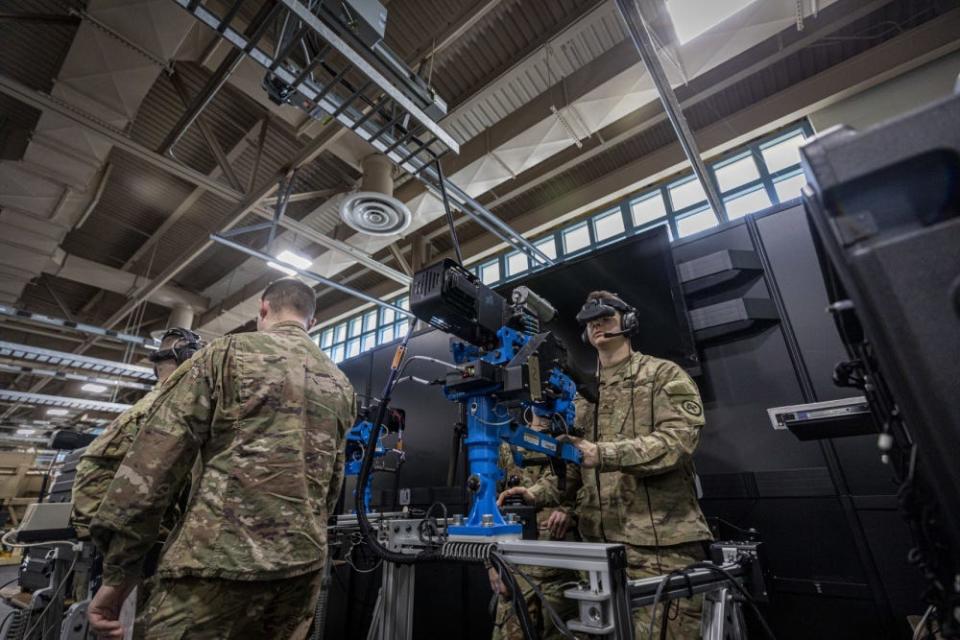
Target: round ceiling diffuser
{"points": [[375, 213]]}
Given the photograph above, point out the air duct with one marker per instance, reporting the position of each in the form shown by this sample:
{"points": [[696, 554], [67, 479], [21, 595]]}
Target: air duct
{"points": [[373, 210]]}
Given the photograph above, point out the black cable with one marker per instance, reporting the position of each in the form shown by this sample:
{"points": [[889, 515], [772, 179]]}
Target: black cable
{"points": [[367, 466], [656, 599], [558, 623], [519, 604], [739, 587], [449, 214]]}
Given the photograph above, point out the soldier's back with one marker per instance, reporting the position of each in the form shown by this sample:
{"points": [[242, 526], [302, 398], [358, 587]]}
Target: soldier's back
{"points": [[281, 409]]}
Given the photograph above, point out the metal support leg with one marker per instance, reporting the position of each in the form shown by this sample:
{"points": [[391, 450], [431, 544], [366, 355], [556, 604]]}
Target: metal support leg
{"points": [[722, 616], [395, 603]]}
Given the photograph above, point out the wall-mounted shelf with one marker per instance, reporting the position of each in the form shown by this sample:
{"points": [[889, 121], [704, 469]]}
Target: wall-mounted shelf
{"points": [[716, 269], [731, 316]]}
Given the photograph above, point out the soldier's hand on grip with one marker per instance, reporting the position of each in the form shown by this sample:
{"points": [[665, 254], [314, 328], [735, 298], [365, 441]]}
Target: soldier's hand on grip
{"points": [[516, 491]]}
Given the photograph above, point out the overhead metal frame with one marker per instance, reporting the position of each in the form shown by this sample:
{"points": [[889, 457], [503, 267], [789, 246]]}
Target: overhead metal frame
{"points": [[383, 123], [644, 44], [80, 327], [75, 377], [60, 402], [30, 353], [309, 274]]}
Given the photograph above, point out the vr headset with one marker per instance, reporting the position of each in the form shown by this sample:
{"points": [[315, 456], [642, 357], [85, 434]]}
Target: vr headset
{"points": [[187, 344], [605, 308]]}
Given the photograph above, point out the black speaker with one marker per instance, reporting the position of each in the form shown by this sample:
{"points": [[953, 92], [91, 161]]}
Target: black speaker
{"points": [[884, 206]]}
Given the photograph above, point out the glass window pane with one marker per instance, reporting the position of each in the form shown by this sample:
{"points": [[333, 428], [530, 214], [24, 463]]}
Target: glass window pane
{"points": [[337, 353], [369, 342], [386, 334], [736, 173], [548, 245], [789, 187], [607, 225], [404, 302], [401, 329], [780, 154], [353, 347], [647, 209], [326, 338], [696, 222], [490, 272], [517, 263], [370, 320], [686, 194], [386, 315], [744, 203], [340, 332], [576, 238], [354, 326]]}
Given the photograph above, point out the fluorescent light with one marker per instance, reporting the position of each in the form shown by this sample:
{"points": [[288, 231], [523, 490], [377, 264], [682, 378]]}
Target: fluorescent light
{"points": [[692, 18], [57, 412], [290, 258], [26, 432], [93, 387]]}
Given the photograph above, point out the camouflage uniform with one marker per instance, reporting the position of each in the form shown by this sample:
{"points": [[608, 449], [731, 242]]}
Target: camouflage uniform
{"points": [[642, 494], [100, 460], [95, 470], [267, 412], [550, 581]]}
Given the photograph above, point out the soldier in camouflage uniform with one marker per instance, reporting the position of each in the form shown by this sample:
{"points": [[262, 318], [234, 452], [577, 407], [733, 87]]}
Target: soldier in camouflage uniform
{"points": [[553, 524], [100, 460], [267, 412], [636, 484]]}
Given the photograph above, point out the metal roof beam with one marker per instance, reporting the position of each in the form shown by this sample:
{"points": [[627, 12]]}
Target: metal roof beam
{"points": [[81, 327], [899, 55], [63, 359], [62, 402], [73, 377], [46, 102], [642, 41], [607, 66], [311, 275]]}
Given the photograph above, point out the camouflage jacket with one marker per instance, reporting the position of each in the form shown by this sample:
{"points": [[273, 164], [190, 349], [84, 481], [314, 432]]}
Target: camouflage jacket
{"points": [[100, 460], [528, 477], [267, 412], [648, 426]]}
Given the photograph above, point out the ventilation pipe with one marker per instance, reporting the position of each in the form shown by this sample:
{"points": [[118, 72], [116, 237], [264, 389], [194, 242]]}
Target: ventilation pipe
{"points": [[181, 315], [373, 210]]}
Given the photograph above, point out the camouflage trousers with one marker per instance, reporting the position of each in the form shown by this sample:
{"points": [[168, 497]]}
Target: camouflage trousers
{"points": [[214, 609], [551, 585], [683, 615]]}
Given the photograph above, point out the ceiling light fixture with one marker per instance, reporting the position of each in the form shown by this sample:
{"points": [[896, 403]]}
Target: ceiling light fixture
{"points": [[26, 432], [57, 412], [92, 387], [692, 18], [293, 259]]}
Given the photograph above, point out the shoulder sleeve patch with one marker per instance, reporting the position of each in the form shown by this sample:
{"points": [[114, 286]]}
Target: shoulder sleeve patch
{"points": [[680, 388]]}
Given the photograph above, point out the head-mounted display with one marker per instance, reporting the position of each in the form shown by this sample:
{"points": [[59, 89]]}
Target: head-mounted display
{"points": [[601, 308], [186, 345]]}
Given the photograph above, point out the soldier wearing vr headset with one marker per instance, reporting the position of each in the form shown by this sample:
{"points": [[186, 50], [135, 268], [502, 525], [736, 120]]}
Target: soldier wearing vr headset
{"points": [[636, 485], [99, 462]]}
